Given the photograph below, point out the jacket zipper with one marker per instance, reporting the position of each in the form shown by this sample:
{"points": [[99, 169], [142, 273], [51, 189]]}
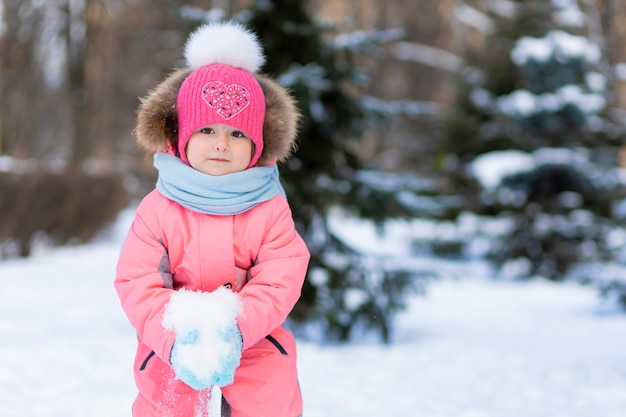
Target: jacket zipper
{"points": [[145, 362], [276, 343]]}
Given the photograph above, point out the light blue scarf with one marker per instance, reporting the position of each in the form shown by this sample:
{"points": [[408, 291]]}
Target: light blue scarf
{"points": [[222, 195]]}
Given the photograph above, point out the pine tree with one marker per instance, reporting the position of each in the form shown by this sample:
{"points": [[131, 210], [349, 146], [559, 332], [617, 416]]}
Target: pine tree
{"points": [[540, 92], [346, 289]]}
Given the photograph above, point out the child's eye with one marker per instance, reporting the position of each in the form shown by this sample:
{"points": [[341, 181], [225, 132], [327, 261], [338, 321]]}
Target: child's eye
{"points": [[238, 134], [207, 130]]}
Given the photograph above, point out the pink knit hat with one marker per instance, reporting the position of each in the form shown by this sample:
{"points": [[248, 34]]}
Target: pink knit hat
{"points": [[222, 87]]}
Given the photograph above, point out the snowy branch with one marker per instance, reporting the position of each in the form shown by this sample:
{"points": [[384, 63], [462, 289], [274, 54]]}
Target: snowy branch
{"points": [[360, 39], [427, 55], [503, 8], [475, 18]]}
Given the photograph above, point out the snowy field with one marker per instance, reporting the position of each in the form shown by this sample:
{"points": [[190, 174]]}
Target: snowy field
{"points": [[470, 348]]}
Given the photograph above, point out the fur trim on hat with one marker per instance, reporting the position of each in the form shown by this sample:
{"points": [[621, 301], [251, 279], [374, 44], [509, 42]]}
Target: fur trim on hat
{"points": [[280, 128], [157, 122]]}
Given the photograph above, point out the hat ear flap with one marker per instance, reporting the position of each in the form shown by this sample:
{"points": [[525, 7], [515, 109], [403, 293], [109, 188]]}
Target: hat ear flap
{"points": [[280, 128], [157, 121]]}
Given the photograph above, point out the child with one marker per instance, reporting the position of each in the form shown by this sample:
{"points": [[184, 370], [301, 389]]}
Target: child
{"points": [[212, 264]]}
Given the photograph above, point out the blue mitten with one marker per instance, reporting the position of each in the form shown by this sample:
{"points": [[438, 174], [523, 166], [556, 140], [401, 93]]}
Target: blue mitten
{"points": [[230, 359], [200, 366], [208, 342]]}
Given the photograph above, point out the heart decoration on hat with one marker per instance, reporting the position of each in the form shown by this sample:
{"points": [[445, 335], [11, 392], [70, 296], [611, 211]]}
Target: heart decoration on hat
{"points": [[228, 100]]}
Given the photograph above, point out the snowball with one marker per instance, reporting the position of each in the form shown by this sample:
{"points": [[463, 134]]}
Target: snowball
{"points": [[203, 317]]}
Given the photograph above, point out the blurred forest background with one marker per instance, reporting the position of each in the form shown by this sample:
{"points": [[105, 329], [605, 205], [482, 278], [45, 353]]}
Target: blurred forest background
{"points": [[404, 102]]}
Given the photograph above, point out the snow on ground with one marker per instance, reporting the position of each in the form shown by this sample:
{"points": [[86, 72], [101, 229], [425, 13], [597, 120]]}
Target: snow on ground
{"points": [[470, 348]]}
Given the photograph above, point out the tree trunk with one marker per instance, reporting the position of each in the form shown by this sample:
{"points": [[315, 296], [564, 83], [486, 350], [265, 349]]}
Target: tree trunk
{"points": [[18, 79], [76, 41]]}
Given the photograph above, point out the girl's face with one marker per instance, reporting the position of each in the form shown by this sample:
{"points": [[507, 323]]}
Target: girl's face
{"points": [[219, 149]]}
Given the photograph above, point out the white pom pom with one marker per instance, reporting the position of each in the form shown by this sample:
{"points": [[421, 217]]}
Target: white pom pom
{"points": [[224, 43]]}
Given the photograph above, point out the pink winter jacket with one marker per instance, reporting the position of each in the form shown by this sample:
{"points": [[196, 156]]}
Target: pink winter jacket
{"points": [[257, 253]]}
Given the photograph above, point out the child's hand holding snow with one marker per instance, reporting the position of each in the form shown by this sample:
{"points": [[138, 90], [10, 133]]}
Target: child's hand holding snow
{"points": [[208, 344], [201, 366]]}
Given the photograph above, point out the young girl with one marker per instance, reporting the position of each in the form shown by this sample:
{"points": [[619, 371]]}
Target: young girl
{"points": [[212, 264]]}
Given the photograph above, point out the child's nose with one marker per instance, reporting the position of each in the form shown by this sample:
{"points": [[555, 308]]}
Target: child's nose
{"points": [[221, 143]]}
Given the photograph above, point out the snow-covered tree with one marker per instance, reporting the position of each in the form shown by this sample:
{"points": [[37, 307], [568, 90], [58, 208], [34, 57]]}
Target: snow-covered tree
{"points": [[346, 289], [535, 107]]}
